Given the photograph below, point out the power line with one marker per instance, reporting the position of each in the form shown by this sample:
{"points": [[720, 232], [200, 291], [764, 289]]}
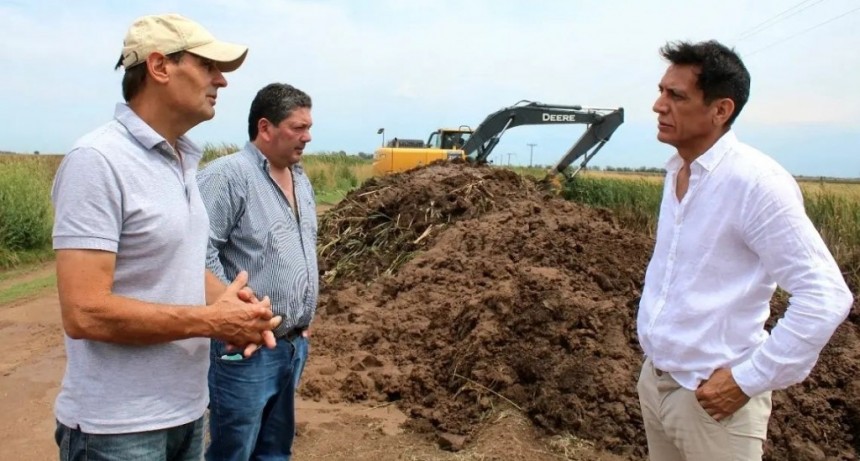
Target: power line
{"points": [[785, 39], [752, 30], [785, 14], [768, 23], [802, 32], [758, 28]]}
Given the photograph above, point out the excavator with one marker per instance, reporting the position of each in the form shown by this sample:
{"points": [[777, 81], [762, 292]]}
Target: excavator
{"points": [[476, 145], [405, 154]]}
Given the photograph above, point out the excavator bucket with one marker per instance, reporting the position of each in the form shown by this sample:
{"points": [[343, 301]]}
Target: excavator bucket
{"points": [[552, 183]]}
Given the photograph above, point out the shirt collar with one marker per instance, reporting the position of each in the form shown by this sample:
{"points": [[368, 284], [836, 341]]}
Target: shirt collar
{"points": [[712, 157], [149, 138], [260, 160]]}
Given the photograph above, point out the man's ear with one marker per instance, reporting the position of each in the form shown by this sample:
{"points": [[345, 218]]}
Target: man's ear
{"points": [[156, 66], [724, 108], [263, 126]]}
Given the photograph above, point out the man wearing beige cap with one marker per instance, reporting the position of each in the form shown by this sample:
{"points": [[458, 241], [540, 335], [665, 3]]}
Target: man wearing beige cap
{"points": [[130, 233]]}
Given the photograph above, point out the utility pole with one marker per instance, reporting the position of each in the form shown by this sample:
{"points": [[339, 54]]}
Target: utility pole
{"points": [[509, 157], [531, 152]]}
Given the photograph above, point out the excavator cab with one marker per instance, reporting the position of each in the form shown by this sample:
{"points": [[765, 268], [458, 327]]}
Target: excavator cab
{"points": [[449, 138]]}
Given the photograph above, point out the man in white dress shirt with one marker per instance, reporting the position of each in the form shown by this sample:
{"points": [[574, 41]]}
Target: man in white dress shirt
{"points": [[732, 227]]}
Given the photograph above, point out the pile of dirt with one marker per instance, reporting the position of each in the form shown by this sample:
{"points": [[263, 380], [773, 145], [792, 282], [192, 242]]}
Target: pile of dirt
{"points": [[377, 228], [453, 289]]}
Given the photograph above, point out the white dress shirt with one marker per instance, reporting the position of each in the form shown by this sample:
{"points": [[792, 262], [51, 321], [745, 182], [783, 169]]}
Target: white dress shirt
{"points": [[740, 230]]}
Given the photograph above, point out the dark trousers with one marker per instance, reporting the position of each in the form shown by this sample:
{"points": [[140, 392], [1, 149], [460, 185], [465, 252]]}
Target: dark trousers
{"points": [[252, 402]]}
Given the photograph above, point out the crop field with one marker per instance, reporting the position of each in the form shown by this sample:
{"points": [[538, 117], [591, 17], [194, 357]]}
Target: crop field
{"points": [[25, 213]]}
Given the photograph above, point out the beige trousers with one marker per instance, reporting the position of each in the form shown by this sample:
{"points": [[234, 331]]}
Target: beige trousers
{"points": [[679, 429]]}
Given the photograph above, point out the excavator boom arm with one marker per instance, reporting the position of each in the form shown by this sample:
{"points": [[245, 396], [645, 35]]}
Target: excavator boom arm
{"points": [[602, 123], [596, 135]]}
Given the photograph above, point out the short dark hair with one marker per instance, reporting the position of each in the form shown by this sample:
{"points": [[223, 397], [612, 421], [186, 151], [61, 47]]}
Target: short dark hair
{"points": [[722, 74], [135, 76], [275, 102]]}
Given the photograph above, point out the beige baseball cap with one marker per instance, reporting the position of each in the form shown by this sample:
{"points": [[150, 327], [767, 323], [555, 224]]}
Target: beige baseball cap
{"points": [[170, 33]]}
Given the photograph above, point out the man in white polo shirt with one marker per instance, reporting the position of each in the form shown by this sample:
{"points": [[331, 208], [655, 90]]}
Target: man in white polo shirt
{"points": [[130, 235], [732, 227]]}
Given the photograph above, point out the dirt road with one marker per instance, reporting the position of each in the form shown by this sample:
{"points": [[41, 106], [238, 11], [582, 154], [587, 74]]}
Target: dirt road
{"points": [[33, 361]]}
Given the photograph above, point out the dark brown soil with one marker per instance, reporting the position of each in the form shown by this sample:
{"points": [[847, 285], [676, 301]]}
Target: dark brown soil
{"points": [[452, 290], [819, 419]]}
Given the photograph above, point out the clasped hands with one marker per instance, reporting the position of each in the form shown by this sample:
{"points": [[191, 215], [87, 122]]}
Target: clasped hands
{"points": [[243, 321]]}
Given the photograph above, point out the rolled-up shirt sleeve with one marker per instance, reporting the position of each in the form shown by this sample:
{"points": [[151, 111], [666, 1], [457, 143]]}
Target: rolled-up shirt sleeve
{"points": [[777, 228]]}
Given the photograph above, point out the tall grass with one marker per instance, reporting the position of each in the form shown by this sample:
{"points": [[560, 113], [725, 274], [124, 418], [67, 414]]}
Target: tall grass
{"points": [[835, 211], [837, 218], [26, 214], [26, 218], [636, 202], [213, 151], [25, 208], [333, 175]]}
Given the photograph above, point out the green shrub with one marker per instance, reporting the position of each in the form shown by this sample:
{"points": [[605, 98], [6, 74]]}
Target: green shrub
{"points": [[25, 210], [319, 180], [345, 178]]}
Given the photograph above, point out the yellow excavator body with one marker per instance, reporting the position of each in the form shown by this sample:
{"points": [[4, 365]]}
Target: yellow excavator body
{"points": [[393, 159], [405, 154]]}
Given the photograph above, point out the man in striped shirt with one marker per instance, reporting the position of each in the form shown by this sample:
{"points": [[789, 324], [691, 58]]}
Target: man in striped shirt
{"points": [[263, 220]]}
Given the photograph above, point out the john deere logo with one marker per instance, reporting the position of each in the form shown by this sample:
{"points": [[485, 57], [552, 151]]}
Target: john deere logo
{"points": [[559, 118]]}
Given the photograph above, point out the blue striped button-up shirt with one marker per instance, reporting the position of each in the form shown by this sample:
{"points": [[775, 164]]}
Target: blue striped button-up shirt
{"points": [[253, 228]]}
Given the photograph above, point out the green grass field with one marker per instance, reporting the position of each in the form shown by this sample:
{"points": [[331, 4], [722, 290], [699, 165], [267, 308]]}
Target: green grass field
{"points": [[25, 208]]}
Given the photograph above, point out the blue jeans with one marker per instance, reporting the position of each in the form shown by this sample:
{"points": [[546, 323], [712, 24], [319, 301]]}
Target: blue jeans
{"points": [[180, 443], [252, 402]]}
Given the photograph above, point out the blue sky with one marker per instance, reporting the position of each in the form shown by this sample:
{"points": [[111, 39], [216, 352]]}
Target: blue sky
{"points": [[413, 66]]}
